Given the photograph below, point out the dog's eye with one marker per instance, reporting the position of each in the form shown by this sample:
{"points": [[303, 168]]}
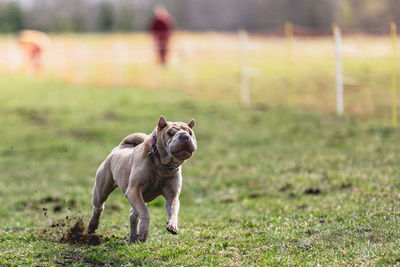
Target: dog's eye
{"points": [[171, 132]]}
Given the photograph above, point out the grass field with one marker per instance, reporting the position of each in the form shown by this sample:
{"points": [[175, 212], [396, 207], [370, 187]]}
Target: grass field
{"points": [[268, 185]]}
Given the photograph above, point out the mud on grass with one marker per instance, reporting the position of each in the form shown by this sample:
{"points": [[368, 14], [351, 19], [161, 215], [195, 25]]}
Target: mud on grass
{"points": [[77, 234], [73, 231]]}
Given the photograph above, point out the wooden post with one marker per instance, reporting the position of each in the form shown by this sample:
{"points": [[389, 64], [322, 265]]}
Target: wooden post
{"points": [[290, 61], [393, 30], [187, 71], [339, 72], [244, 76]]}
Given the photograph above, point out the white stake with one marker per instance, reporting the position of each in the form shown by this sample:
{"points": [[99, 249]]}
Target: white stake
{"points": [[339, 73], [244, 76]]}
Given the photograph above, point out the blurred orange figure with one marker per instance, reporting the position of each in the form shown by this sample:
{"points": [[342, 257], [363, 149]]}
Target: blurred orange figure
{"points": [[161, 28], [32, 43]]}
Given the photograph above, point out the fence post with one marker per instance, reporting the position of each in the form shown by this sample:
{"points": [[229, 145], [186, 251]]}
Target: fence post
{"points": [[338, 67], [393, 31], [244, 75], [187, 71], [290, 61]]}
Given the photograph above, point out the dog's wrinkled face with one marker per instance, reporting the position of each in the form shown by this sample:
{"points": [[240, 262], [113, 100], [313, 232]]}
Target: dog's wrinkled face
{"points": [[176, 141]]}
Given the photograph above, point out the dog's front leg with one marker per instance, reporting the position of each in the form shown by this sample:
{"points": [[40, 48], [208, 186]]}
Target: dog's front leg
{"points": [[172, 207], [133, 221], [135, 198]]}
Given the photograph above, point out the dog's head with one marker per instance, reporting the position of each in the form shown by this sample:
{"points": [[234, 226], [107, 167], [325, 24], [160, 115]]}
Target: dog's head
{"points": [[176, 141]]}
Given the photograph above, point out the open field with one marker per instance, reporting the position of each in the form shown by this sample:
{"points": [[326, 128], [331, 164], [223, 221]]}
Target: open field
{"points": [[208, 65], [268, 185]]}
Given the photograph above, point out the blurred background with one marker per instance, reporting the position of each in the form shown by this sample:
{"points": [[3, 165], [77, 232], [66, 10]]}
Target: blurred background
{"points": [[277, 178], [107, 43], [191, 15]]}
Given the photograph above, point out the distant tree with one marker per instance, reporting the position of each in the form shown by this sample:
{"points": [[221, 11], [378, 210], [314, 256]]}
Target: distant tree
{"points": [[106, 16], [201, 15], [78, 24], [346, 15], [10, 17], [124, 19]]}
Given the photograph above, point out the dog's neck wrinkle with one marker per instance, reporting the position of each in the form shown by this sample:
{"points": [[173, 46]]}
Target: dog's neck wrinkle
{"points": [[161, 169], [147, 145]]}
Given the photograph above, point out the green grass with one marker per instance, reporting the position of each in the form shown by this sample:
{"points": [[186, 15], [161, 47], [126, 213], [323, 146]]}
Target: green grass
{"points": [[267, 186]]}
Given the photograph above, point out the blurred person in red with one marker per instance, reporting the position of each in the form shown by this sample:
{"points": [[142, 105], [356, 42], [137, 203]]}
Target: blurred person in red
{"points": [[161, 28], [33, 43]]}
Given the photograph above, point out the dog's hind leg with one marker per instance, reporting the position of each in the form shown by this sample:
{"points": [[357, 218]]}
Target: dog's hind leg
{"points": [[103, 186]]}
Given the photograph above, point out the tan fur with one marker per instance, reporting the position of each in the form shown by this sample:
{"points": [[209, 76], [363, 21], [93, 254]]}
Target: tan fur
{"points": [[143, 177], [134, 139]]}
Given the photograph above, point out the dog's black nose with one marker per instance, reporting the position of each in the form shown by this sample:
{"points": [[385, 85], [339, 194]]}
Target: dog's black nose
{"points": [[184, 137]]}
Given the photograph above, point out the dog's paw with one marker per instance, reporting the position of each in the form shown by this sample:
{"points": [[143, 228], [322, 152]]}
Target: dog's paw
{"points": [[142, 237], [173, 229], [133, 239]]}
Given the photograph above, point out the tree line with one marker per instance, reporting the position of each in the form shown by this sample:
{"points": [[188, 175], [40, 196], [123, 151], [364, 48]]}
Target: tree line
{"points": [[195, 15]]}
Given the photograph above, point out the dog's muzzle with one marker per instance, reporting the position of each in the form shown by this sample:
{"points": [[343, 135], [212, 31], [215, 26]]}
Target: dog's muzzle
{"points": [[183, 146]]}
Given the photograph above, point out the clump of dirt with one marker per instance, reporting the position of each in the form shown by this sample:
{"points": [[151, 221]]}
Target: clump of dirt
{"points": [[59, 223], [57, 208], [312, 191], [78, 234], [285, 187], [50, 199]]}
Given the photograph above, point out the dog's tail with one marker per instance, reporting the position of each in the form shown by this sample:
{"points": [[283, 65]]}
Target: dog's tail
{"points": [[134, 139]]}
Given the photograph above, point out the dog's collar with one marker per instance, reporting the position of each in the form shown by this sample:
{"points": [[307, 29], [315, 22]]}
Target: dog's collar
{"points": [[154, 151]]}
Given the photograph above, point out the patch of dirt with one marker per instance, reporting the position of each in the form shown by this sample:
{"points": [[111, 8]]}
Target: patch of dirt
{"points": [[302, 207], [255, 195], [15, 230], [82, 133], [227, 200], [111, 116], [72, 203], [64, 259], [114, 207], [57, 208], [8, 152], [345, 185], [59, 223], [261, 107], [77, 234], [312, 191], [310, 232], [46, 204], [34, 116], [49, 199], [285, 187]]}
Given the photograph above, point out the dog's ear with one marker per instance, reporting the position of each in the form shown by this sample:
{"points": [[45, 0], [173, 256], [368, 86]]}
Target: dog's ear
{"points": [[162, 123], [191, 124]]}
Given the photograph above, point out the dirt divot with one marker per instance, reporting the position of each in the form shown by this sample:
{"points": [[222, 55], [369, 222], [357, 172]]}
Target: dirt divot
{"points": [[70, 258], [312, 191], [77, 234]]}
